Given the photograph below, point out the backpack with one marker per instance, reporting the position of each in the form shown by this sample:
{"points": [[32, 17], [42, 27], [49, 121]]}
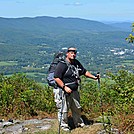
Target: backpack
{"points": [[58, 57]]}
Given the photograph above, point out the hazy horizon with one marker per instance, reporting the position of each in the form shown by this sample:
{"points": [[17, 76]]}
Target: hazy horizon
{"points": [[104, 10]]}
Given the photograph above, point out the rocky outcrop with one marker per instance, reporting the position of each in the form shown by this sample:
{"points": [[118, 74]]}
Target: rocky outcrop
{"points": [[37, 125], [18, 126]]}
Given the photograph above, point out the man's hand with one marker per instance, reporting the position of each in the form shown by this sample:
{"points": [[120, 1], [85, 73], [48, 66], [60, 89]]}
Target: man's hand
{"points": [[67, 89], [98, 76]]}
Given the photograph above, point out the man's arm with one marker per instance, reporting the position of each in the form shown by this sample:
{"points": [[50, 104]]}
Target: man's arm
{"points": [[62, 85], [59, 82], [89, 75]]}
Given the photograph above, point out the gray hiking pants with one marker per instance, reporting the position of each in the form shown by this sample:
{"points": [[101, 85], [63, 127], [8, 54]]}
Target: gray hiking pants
{"points": [[64, 102]]}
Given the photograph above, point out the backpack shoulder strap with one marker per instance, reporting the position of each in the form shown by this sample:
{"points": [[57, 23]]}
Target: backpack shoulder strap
{"points": [[68, 65]]}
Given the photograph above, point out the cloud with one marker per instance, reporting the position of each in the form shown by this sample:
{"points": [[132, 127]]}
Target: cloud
{"points": [[77, 4], [73, 4]]}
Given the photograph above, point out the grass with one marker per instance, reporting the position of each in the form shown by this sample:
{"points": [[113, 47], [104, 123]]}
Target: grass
{"points": [[31, 68], [35, 74], [8, 63], [128, 62]]}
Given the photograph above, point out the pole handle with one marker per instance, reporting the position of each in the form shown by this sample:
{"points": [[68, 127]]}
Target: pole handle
{"points": [[98, 74]]}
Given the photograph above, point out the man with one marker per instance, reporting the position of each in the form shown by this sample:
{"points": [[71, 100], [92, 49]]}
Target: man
{"points": [[67, 76]]}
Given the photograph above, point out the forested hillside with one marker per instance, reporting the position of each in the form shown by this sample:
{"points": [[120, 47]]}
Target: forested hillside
{"points": [[28, 44]]}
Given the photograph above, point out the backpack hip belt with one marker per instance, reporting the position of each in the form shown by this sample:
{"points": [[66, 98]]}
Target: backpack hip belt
{"points": [[70, 83]]}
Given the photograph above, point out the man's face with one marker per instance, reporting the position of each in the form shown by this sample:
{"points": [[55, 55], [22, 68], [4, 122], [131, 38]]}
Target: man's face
{"points": [[71, 54]]}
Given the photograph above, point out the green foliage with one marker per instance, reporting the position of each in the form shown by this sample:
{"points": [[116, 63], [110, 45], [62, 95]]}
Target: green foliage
{"points": [[121, 99], [130, 38], [23, 96], [89, 97], [20, 95], [115, 98], [123, 87]]}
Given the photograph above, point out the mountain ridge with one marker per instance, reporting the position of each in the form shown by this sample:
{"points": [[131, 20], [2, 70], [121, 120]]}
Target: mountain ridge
{"points": [[28, 30], [60, 22]]}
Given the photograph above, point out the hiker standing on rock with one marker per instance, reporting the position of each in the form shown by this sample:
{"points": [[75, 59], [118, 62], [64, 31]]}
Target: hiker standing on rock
{"points": [[67, 76]]}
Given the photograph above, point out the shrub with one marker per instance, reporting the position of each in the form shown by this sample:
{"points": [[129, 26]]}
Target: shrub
{"points": [[20, 95]]}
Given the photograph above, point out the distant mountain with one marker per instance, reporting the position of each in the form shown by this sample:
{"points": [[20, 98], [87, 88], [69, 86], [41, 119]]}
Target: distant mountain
{"points": [[48, 29], [51, 23], [124, 26]]}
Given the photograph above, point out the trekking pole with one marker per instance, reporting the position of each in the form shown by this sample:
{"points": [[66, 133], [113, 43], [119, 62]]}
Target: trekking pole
{"points": [[61, 112], [101, 104], [100, 94]]}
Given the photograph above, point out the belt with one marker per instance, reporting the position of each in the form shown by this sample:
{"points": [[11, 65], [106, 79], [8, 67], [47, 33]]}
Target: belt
{"points": [[70, 83]]}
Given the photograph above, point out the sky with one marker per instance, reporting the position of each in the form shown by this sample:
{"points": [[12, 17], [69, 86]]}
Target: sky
{"points": [[100, 10]]}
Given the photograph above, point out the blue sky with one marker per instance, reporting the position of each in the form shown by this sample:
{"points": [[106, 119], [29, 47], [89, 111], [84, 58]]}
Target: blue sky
{"points": [[101, 10]]}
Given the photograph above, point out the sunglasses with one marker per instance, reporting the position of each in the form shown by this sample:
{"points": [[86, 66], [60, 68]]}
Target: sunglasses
{"points": [[75, 52]]}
